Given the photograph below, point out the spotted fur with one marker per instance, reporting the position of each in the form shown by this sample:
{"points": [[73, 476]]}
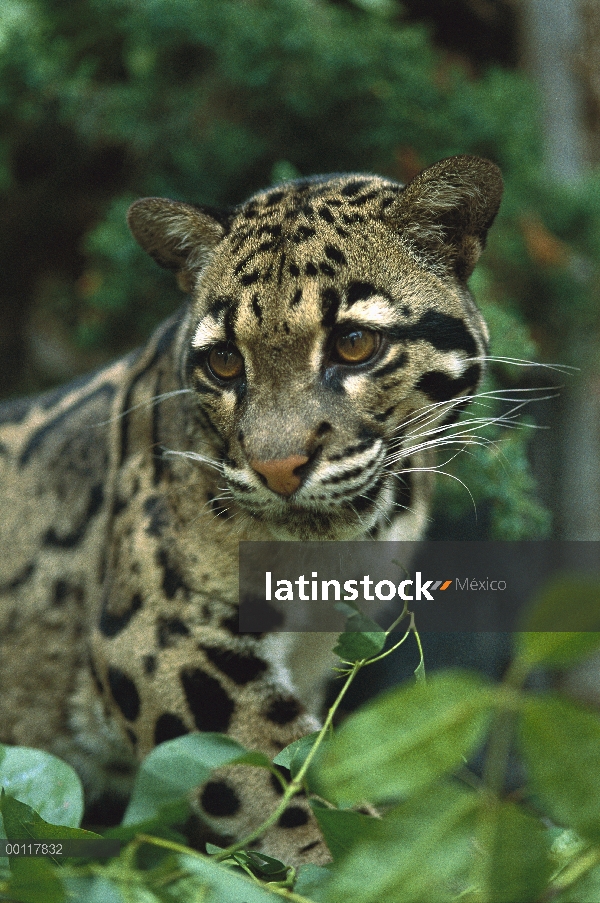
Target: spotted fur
{"points": [[126, 493]]}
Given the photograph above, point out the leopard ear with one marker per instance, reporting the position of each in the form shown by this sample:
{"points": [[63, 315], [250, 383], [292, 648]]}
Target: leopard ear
{"points": [[444, 213], [177, 236]]}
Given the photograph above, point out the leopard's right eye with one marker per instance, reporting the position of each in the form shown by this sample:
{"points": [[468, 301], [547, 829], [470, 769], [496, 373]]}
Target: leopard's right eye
{"points": [[225, 362]]}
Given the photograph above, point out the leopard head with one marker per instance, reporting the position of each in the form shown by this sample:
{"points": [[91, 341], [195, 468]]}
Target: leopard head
{"points": [[327, 317]]}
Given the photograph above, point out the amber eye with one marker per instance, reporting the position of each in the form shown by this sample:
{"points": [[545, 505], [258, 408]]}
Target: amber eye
{"points": [[356, 346], [225, 362]]}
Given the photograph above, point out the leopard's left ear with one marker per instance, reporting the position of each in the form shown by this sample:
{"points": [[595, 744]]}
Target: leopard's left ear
{"points": [[177, 236], [444, 213]]}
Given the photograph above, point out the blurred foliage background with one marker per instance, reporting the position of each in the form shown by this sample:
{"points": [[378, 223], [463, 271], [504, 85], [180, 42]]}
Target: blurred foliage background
{"points": [[103, 101]]}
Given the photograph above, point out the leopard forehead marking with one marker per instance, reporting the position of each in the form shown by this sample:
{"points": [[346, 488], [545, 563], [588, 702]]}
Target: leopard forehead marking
{"points": [[291, 248]]}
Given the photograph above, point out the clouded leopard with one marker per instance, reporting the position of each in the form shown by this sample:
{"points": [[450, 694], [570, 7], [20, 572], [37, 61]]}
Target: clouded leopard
{"points": [[328, 322]]}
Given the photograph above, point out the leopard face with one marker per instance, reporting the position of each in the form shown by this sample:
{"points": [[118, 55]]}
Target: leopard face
{"points": [[328, 317]]}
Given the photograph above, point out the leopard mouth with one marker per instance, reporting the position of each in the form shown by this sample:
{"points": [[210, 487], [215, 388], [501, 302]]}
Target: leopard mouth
{"points": [[304, 517]]}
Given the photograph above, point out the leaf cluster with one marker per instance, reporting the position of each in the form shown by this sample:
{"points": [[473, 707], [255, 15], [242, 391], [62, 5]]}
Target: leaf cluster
{"points": [[443, 833]]}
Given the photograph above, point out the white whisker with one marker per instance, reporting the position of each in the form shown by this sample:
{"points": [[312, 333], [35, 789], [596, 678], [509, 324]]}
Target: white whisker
{"points": [[194, 456], [145, 404]]}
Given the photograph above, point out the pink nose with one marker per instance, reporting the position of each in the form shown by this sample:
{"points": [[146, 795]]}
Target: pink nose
{"points": [[280, 473]]}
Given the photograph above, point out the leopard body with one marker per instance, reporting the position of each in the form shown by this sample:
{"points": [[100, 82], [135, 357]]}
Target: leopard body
{"points": [[126, 493]]}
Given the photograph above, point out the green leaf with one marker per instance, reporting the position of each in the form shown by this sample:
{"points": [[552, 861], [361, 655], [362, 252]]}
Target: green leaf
{"points": [[21, 822], [34, 880], [561, 746], [419, 672], [518, 848], [47, 784], [175, 767], [405, 739], [584, 890], [362, 637], [310, 879], [566, 602], [343, 829], [265, 867], [95, 889], [296, 752], [225, 885], [420, 852]]}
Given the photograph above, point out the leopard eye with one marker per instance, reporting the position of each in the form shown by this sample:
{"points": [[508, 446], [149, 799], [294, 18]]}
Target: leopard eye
{"points": [[356, 346], [225, 362]]}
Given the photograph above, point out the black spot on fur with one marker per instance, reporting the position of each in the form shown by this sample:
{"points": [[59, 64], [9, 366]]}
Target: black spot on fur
{"points": [[396, 364], [283, 710], [310, 269], [242, 263], [167, 631], [353, 187], [294, 269], [124, 693], [330, 303], [326, 214], [168, 727], [218, 305], [309, 846], [347, 475], [20, 579], [149, 662], [231, 625], [172, 579], [364, 198], [293, 817], [383, 416], [14, 411], [438, 386], [217, 507], [209, 704], [155, 508], [66, 592], [274, 198], [326, 269], [219, 799], [111, 625], [240, 667], [335, 254], [72, 539], [161, 348], [360, 291], [353, 449], [250, 278], [280, 268], [303, 233], [367, 497], [133, 740], [444, 332]]}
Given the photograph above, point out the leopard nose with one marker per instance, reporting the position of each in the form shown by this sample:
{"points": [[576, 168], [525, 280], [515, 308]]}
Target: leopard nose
{"points": [[280, 473]]}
